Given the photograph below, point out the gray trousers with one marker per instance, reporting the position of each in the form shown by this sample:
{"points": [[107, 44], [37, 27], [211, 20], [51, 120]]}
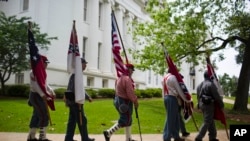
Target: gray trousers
{"points": [[208, 122]]}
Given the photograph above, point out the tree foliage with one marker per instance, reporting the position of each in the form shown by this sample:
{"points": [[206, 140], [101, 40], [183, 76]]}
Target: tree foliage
{"points": [[191, 30], [229, 84], [14, 50]]}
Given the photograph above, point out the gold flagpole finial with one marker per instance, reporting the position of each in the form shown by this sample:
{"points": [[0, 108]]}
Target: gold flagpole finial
{"points": [[29, 24]]}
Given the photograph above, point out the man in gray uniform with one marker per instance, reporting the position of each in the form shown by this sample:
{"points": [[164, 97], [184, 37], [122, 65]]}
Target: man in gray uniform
{"points": [[74, 109], [207, 95]]}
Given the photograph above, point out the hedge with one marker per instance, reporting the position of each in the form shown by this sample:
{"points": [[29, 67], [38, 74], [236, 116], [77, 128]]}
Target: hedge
{"points": [[23, 91]]}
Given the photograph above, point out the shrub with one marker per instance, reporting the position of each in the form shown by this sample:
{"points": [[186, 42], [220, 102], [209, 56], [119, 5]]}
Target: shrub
{"points": [[138, 93], [146, 94], [92, 93], [156, 92], [5, 93], [59, 92], [106, 93], [18, 91]]}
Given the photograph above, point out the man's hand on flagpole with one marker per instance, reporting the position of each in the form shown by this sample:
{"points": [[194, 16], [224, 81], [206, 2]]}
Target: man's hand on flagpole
{"points": [[90, 99], [53, 95], [47, 98]]}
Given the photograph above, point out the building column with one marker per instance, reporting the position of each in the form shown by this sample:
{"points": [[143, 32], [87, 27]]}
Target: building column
{"points": [[128, 39], [119, 14], [107, 45], [92, 43]]}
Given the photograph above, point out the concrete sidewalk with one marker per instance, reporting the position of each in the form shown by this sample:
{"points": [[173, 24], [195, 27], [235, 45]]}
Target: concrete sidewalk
{"points": [[12, 136]]}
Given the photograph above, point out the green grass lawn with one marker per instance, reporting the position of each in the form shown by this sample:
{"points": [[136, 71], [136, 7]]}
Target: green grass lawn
{"points": [[101, 114]]}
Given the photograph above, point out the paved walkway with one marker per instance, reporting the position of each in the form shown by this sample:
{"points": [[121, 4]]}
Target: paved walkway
{"points": [[11, 136], [225, 100]]}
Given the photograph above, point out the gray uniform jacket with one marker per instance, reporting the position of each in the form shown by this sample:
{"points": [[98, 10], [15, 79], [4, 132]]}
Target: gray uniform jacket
{"points": [[71, 87], [210, 89]]}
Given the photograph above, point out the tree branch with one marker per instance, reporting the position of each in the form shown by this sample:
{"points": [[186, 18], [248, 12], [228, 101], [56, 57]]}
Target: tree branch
{"points": [[222, 46]]}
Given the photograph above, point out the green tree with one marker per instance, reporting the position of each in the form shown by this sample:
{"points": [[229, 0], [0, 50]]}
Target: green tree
{"points": [[191, 30], [14, 50], [229, 84]]}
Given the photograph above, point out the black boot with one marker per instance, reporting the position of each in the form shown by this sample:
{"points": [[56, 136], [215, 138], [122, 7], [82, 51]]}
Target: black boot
{"points": [[106, 135], [185, 134], [32, 139]]}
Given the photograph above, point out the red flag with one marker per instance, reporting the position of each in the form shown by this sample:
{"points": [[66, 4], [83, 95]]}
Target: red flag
{"points": [[38, 68], [188, 110], [74, 65], [218, 113], [119, 65]]}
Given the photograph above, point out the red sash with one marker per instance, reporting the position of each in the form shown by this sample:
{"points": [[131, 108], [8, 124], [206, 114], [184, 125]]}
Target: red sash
{"points": [[164, 83]]}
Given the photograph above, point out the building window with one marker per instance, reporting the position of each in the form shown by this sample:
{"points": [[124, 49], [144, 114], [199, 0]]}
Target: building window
{"points": [[84, 45], [100, 15], [90, 81], [192, 71], [136, 86], [193, 84], [156, 80], [105, 83], [24, 5], [99, 55], [149, 77], [19, 79], [85, 5]]}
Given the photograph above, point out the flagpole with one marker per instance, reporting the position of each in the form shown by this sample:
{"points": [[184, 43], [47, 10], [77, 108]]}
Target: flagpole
{"points": [[74, 42], [45, 100], [194, 122], [47, 108], [226, 131], [113, 13]]}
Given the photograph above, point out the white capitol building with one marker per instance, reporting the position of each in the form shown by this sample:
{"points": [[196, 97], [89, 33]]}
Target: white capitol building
{"points": [[93, 25]]}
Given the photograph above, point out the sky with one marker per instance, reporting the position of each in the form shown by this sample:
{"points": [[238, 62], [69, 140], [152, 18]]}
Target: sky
{"points": [[228, 65]]}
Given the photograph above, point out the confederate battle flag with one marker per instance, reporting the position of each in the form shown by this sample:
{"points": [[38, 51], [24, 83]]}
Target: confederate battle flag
{"points": [[187, 109], [218, 114], [74, 65]]}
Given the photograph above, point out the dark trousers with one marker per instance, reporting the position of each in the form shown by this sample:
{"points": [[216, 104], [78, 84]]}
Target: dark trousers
{"points": [[125, 118], [182, 124], [75, 111], [40, 114], [172, 123]]}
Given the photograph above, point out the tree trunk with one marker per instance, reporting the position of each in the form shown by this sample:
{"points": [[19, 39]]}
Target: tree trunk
{"points": [[2, 88], [242, 91]]}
